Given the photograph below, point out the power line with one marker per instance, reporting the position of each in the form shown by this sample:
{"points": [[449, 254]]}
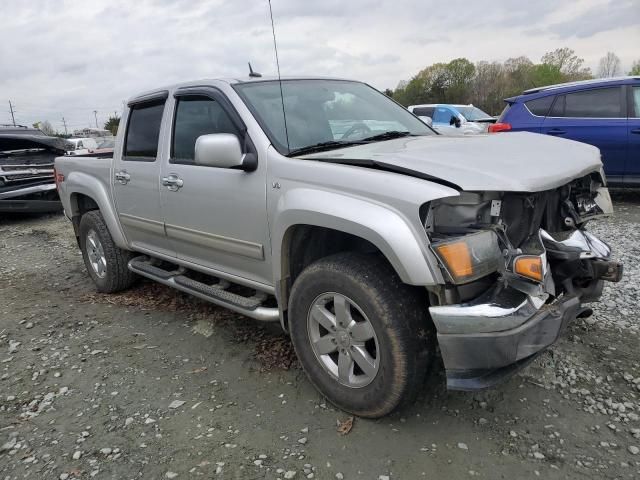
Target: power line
{"points": [[13, 118]]}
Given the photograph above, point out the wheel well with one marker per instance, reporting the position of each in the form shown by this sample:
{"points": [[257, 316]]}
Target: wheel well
{"points": [[81, 204], [304, 244]]}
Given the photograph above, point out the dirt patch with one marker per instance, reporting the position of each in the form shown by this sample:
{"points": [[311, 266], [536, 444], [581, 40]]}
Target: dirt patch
{"points": [[151, 383]]}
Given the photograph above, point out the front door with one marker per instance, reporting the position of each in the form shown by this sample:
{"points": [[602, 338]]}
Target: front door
{"points": [[595, 116], [214, 217], [135, 179]]}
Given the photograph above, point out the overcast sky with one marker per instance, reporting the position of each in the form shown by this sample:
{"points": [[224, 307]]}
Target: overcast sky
{"points": [[70, 57]]}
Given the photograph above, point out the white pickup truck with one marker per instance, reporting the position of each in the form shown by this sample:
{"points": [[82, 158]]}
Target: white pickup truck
{"points": [[324, 205]]}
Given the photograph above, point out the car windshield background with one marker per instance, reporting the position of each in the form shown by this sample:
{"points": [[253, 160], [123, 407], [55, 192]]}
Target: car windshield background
{"points": [[196, 116], [320, 111], [143, 132], [473, 113], [596, 103]]}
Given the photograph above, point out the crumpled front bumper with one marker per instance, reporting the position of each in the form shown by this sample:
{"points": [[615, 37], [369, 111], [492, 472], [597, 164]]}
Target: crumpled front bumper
{"points": [[488, 339]]}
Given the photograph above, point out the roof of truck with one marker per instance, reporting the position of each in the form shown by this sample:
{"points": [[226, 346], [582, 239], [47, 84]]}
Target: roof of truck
{"points": [[230, 81]]}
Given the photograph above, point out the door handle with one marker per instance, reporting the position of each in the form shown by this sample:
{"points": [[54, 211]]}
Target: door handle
{"points": [[122, 177], [556, 131], [635, 130], [173, 182]]}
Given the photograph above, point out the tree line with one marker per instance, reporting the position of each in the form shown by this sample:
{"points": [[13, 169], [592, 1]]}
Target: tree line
{"points": [[486, 84], [45, 127]]}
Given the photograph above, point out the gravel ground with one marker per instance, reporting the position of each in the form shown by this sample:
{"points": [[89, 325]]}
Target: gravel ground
{"points": [[154, 384]]}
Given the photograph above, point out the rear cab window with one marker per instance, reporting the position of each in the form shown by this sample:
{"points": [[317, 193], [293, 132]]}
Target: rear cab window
{"points": [[143, 132]]}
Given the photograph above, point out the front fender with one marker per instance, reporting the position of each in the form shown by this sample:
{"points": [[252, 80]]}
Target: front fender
{"points": [[84, 184], [404, 246]]}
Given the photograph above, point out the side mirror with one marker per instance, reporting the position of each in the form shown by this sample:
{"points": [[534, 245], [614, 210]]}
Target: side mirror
{"points": [[427, 120], [455, 121], [222, 150]]}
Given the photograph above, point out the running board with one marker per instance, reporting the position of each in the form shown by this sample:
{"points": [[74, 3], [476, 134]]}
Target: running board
{"points": [[217, 293]]}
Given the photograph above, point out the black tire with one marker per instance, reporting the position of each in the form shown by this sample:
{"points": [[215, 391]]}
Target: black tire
{"points": [[398, 314], [117, 276]]}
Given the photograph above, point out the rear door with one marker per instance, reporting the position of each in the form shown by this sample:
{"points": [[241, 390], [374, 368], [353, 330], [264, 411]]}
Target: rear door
{"points": [[136, 178], [632, 167], [217, 217], [596, 116]]}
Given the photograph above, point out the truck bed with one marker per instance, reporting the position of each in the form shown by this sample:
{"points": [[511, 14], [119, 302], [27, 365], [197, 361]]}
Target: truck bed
{"points": [[86, 171]]}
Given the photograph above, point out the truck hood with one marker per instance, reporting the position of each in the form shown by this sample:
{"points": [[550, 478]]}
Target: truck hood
{"points": [[20, 141], [516, 162]]}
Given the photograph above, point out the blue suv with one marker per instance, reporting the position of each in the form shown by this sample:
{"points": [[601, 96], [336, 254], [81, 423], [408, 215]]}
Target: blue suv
{"points": [[604, 113]]}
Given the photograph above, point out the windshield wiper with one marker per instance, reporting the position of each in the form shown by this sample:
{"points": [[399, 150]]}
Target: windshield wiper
{"points": [[323, 146], [390, 135]]}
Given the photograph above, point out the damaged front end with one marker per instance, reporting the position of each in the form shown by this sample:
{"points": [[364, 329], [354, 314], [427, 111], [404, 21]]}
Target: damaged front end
{"points": [[519, 267], [27, 181]]}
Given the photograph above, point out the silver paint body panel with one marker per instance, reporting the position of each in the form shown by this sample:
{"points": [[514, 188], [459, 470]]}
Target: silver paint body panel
{"points": [[234, 224]]}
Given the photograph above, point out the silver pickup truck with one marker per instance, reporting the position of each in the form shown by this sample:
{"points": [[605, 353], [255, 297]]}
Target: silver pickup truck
{"points": [[326, 206]]}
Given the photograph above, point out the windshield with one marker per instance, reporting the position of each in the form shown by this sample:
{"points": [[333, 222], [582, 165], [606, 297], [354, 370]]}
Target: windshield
{"points": [[326, 112], [472, 114]]}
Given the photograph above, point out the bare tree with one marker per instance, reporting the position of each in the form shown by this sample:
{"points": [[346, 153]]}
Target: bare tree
{"points": [[609, 66], [568, 63], [45, 127]]}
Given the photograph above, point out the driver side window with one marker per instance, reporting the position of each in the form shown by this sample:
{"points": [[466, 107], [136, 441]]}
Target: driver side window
{"points": [[442, 115], [196, 116]]}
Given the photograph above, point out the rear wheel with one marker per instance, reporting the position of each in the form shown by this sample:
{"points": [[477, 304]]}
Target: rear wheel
{"points": [[362, 336], [105, 262]]}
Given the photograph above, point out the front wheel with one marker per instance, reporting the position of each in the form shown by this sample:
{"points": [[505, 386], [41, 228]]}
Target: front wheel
{"points": [[105, 262], [362, 336]]}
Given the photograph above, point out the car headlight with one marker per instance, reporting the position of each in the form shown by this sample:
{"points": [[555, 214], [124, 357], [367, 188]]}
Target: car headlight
{"points": [[469, 257]]}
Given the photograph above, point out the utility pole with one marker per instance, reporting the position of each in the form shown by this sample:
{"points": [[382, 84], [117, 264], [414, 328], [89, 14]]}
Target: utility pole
{"points": [[65, 126], [12, 116], [95, 114]]}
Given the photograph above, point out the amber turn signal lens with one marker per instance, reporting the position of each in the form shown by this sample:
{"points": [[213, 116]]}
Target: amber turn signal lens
{"points": [[529, 266], [457, 257]]}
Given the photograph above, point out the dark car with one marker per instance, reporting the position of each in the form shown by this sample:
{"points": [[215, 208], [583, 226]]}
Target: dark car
{"points": [[27, 182], [604, 113]]}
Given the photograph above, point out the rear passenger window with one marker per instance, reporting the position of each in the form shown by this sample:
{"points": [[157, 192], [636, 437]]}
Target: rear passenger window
{"points": [[636, 102], [196, 116], [600, 103], [423, 111], [143, 132], [540, 106]]}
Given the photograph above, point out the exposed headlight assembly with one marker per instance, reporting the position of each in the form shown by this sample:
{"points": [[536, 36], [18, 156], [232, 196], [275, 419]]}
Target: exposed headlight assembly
{"points": [[469, 257]]}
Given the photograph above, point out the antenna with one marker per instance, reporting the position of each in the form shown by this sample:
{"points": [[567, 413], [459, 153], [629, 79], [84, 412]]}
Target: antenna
{"points": [[252, 73], [275, 47]]}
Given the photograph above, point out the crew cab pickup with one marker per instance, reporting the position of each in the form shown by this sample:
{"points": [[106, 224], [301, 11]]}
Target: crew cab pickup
{"points": [[326, 206]]}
